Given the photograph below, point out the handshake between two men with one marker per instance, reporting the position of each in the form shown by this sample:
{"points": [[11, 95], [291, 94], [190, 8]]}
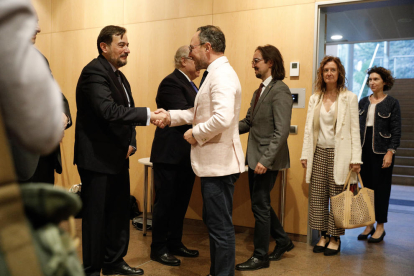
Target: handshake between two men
{"points": [[162, 118]]}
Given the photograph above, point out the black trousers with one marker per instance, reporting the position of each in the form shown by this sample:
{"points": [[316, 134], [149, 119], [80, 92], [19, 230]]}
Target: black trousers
{"points": [[376, 178], [45, 170], [173, 188], [266, 222], [105, 219], [217, 195]]}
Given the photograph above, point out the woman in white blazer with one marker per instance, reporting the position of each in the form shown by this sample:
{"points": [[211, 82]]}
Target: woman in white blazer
{"points": [[331, 147]]}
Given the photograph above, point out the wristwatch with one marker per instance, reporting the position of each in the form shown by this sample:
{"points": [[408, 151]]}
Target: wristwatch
{"points": [[392, 150]]}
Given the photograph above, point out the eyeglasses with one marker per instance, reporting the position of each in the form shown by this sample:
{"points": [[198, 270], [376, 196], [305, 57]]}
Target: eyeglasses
{"points": [[256, 60], [191, 47]]}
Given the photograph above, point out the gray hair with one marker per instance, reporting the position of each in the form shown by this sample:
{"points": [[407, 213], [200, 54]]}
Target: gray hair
{"points": [[183, 51], [214, 36]]}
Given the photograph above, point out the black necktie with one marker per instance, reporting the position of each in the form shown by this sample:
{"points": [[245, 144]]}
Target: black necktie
{"points": [[119, 77], [194, 86], [203, 78]]}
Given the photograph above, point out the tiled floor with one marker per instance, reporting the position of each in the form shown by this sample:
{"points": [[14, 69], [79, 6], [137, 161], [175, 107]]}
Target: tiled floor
{"points": [[394, 256]]}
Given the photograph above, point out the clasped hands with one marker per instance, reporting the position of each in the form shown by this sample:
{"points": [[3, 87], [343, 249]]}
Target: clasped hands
{"points": [[161, 118]]}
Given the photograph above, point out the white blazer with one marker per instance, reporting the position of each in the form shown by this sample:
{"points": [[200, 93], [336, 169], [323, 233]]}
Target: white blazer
{"points": [[215, 120], [347, 138]]}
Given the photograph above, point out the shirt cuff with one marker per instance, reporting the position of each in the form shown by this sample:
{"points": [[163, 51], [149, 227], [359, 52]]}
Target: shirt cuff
{"points": [[148, 116]]}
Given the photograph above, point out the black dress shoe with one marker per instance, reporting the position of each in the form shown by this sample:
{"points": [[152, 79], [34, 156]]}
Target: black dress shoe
{"points": [[373, 240], [364, 237], [280, 250], [253, 264], [321, 249], [166, 259], [332, 252], [184, 252], [123, 269]]}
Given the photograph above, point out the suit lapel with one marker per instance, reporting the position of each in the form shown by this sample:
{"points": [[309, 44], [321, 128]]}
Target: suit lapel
{"points": [[342, 107], [114, 79], [185, 81], [128, 89], [262, 97]]}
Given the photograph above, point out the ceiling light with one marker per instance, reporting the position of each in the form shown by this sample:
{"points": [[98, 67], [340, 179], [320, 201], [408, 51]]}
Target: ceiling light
{"points": [[336, 37], [404, 20]]}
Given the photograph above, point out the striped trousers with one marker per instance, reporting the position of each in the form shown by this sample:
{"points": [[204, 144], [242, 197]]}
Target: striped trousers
{"points": [[322, 187]]}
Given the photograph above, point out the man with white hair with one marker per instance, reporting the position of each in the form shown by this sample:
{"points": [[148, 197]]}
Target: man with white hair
{"points": [[170, 155]]}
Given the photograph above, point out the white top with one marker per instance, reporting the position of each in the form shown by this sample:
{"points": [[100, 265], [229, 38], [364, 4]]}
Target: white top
{"points": [[184, 75], [265, 84], [326, 137], [371, 114]]}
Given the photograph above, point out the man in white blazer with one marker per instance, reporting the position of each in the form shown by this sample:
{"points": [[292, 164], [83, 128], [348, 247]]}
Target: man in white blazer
{"points": [[216, 153]]}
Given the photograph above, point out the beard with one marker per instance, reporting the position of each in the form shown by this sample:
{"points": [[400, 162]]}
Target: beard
{"points": [[117, 60], [200, 63], [120, 62], [258, 74]]}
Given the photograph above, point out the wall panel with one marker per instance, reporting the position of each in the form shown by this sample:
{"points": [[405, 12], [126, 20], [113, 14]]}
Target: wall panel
{"points": [[79, 14], [220, 6], [143, 11]]}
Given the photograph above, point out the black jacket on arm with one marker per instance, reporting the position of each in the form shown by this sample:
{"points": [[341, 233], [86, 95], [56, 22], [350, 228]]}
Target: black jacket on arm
{"points": [[387, 124], [169, 146], [105, 125]]}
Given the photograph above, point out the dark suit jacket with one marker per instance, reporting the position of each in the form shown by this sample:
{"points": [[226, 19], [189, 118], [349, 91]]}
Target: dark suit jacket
{"points": [[269, 127], [169, 146], [105, 125], [26, 162]]}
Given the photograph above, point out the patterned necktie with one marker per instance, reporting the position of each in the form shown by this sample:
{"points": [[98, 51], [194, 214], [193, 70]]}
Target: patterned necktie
{"points": [[203, 78], [259, 91], [194, 86]]}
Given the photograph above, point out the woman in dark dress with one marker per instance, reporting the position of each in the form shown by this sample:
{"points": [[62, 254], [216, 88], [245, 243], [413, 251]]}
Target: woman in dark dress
{"points": [[380, 124]]}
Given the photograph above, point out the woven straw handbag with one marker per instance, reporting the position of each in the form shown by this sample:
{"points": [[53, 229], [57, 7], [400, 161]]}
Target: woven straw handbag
{"points": [[353, 211]]}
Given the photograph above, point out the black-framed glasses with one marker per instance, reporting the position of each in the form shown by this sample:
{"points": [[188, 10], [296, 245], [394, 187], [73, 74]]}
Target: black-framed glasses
{"points": [[256, 60], [191, 47]]}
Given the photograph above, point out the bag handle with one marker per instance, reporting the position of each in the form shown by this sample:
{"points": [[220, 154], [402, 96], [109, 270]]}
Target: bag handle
{"points": [[16, 241], [347, 184]]}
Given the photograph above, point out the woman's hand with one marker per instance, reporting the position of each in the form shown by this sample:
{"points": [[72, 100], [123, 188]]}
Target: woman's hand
{"points": [[304, 163], [386, 162], [355, 167]]}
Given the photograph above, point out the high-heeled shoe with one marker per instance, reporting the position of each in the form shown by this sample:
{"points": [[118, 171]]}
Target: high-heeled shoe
{"points": [[331, 252], [320, 249], [374, 240], [364, 237]]}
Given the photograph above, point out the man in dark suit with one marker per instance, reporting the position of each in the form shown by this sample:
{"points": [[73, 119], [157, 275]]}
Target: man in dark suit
{"points": [[32, 167], [170, 155], [268, 122], [104, 140]]}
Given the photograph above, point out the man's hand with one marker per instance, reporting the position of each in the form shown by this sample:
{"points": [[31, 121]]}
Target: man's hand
{"points": [[188, 136], [304, 163], [386, 162], [130, 151], [160, 118], [65, 120], [260, 169], [355, 167]]}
